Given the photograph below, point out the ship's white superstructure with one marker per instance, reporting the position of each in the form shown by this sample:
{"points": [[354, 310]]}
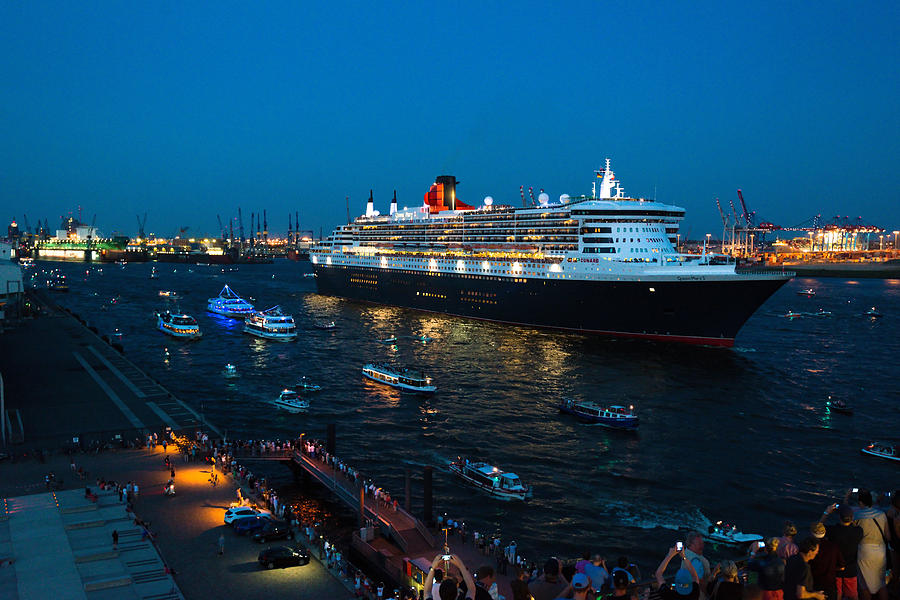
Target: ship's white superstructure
{"points": [[475, 259]]}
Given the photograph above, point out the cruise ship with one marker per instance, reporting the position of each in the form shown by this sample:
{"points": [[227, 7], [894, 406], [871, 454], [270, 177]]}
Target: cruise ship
{"points": [[603, 263]]}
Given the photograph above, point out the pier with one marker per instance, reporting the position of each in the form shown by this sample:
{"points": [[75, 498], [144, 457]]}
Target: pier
{"points": [[409, 534]]}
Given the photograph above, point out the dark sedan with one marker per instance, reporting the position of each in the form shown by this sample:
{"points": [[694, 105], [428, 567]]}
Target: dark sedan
{"points": [[249, 524], [283, 556], [273, 530]]}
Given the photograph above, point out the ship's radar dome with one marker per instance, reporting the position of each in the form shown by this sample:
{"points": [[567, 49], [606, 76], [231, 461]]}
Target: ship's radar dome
{"points": [[488, 201], [544, 198], [564, 198]]}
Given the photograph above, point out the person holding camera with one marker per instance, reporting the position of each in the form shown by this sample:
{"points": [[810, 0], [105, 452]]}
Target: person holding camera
{"points": [[449, 588]]}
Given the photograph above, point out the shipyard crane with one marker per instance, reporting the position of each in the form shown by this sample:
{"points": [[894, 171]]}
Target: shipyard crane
{"points": [[221, 227], [90, 234], [748, 217], [25, 222], [141, 224], [241, 226], [724, 222]]}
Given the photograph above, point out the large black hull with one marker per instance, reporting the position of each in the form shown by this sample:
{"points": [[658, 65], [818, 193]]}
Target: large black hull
{"points": [[709, 311]]}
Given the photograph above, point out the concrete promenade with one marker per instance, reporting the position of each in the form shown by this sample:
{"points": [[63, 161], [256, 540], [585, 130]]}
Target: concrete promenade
{"points": [[66, 381], [187, 526]]}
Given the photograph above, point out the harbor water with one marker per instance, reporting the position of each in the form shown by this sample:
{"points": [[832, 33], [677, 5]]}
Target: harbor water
{"points": [[743, 434]]}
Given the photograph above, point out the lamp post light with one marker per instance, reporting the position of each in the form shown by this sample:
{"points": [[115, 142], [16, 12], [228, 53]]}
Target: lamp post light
{"points": [[881, 242], [895, 240], [706, 244]]}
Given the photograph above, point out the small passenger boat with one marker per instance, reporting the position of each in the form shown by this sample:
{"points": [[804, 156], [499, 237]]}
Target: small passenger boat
{"points": [[390, 340], [168, 295], [839, 406], [872, 313], [305, 385], [325, 325], [271, 324], [881, 450], [179, 326], [405, 379], [616, 417], [809, 292], [289, 401], [724, 533], [230, 371], [26, 262], [229, 304], [154, 274], [821, 313], [309, 274], [792, 315], [490, 479]]}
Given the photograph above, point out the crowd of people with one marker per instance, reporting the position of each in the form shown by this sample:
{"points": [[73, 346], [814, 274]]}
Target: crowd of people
{"points": [[852, 558]]}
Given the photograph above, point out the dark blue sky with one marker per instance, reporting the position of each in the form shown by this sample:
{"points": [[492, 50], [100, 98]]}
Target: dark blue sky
{"points": [[188, 110]]}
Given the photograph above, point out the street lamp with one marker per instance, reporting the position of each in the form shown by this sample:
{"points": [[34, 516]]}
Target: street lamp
{"points": [[706, 243], [881, 242], [895, 240]]}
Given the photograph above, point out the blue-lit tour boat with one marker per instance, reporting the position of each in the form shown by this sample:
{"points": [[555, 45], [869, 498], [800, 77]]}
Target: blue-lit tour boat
{"points": [[229, 304], [616, 417]]}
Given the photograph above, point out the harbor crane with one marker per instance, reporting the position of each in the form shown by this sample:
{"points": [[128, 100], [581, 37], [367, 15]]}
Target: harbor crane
{"points": [[241, 226], [141, 224], [221, 227], [27, 226]]}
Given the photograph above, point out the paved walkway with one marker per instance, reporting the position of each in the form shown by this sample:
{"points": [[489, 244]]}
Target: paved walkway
{"points": [[187, 526], [65, 381]]}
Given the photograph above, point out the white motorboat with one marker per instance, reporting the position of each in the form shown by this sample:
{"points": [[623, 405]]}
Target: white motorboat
{"points": [[325, 325], [230, 371], [809, 292], [289, 400], [490, 479], [305, 385], [229, 304], [168, 295], [309, 275], [390, 340], [271, 324], [179, 326], [26, 262], [405, 379], [724, 533], [872, 313], [881, 450], [615, 417]]}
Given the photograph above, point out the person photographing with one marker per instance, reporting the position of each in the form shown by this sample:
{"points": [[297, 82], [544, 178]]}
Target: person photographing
{"points": [[449, 588]]}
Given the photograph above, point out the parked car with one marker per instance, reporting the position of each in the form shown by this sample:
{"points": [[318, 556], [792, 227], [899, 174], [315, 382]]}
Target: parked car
{"points": [[249, 524], [240, 512], [273, 530], [283, 556]]}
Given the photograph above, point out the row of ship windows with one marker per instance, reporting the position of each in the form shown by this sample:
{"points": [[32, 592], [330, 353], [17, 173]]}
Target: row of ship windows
{"points": [[626, 213]]}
